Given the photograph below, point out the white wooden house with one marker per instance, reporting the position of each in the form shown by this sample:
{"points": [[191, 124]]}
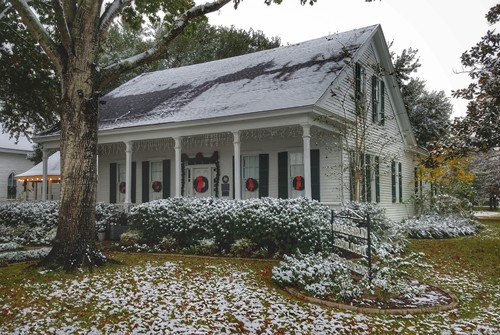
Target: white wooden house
{"points": [[177, 132], [13, 159]]}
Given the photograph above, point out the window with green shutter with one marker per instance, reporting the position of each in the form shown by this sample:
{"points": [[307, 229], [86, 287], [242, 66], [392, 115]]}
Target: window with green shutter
{"points": [[378, 93]]}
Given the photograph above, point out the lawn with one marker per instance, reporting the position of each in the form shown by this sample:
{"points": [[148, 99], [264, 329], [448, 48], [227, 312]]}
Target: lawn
{"points": [[152, 294]]}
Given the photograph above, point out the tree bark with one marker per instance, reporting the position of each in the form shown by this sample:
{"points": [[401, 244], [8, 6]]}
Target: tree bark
{"points": [[75, 246]]}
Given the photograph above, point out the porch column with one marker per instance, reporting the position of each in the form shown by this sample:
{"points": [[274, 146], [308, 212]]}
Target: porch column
{"points": [[306, 137], [237, 165], [128, 173], [45, 159], [178, 166]]}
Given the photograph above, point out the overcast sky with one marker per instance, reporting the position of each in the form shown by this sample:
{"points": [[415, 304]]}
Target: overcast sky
{"points": [[440, 29]]}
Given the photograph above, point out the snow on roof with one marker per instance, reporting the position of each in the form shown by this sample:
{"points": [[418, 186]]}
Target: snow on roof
{"points": [[53, 168], [8, 143], [290, 76]]}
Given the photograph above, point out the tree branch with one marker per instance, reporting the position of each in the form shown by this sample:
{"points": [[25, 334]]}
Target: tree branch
{"points": [[62, 25], [36, 28], [112, 71], [111, 12]]}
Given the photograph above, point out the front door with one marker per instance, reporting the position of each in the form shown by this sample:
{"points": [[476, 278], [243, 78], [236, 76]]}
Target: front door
{"points": [[199, 181]]}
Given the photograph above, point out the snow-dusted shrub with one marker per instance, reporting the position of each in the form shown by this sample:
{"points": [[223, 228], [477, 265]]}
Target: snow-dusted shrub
{"points": [[390, 274], [317, 275], [107, 215], [446, 205], [243, 247], [206, 246], [167, 243], [9, 246], [434, 226], [23, 255], [31, 213], [130, 238], [280, 225], [35, 222], [29, 222], [329, 277]]}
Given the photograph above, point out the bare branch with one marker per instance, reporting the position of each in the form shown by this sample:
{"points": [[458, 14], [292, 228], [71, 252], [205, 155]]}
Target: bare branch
{"points": [[36, 28], [114, 70]]}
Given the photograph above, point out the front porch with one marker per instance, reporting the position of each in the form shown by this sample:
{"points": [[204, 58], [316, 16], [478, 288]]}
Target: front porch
{"points": [[281, 162]]}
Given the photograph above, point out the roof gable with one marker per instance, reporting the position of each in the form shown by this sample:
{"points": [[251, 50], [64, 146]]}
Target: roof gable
{"points": [[286, 77]]}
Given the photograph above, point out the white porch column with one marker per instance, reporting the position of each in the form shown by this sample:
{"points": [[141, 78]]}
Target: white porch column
{"points": [[128, 173], [178, 166], [237, 165], [306, 137], [45, 160]]}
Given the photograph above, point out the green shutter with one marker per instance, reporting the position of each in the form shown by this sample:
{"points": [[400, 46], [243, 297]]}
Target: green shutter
{"points": [[374, 98], [363, 181], [382, 102], [400, 181], [283, 175], [263, 175], [166, 178], [377, 179], [315, 175], [357, 73], [415, 175], [393, 180], [112, 183], [351, 176], [134, 183], [145, 181], [368, 179]]}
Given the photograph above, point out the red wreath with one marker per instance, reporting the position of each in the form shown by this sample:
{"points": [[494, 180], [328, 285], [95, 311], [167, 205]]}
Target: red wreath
{"points": [[251, 184], [200, 184], [156, 186], [298, 183], [122, 187]]}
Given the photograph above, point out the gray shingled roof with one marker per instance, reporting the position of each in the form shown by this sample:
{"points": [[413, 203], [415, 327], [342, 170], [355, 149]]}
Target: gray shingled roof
{"points": [[290, 76]]}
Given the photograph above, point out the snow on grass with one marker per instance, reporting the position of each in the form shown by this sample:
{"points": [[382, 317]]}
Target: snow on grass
{"points": [[177, 297]]}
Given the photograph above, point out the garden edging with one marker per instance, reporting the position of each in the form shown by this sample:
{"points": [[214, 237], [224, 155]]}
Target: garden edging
{"points": [[371, 310]]}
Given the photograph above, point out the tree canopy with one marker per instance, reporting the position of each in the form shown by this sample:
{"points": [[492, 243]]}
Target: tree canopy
{"points": [[71, 35], [429, 111], [480, 127]]}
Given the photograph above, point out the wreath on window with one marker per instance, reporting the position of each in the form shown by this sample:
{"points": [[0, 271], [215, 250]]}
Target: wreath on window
{"points": [[200, 184], [298, 183], [156, 185], [251, 184], [122, 187]]}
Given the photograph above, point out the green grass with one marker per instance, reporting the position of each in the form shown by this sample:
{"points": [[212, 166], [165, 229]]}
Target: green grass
{"points": [[467, 266], [479, 253]]}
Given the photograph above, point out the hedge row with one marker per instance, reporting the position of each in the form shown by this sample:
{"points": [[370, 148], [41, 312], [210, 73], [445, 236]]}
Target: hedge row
{"points": [[279, 225]]}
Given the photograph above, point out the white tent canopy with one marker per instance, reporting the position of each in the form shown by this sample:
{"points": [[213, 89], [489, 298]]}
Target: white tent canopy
{"points": [[36, 172]]}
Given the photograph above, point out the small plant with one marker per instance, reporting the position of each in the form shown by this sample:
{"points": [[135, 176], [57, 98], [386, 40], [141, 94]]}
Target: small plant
{"points": [[130, 238], [167, 243], [206, 246], [318, 275], [242, 248]]}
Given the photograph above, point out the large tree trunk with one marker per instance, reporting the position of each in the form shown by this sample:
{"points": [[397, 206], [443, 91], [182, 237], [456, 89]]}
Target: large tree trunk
{"points": [[74, 246]]}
